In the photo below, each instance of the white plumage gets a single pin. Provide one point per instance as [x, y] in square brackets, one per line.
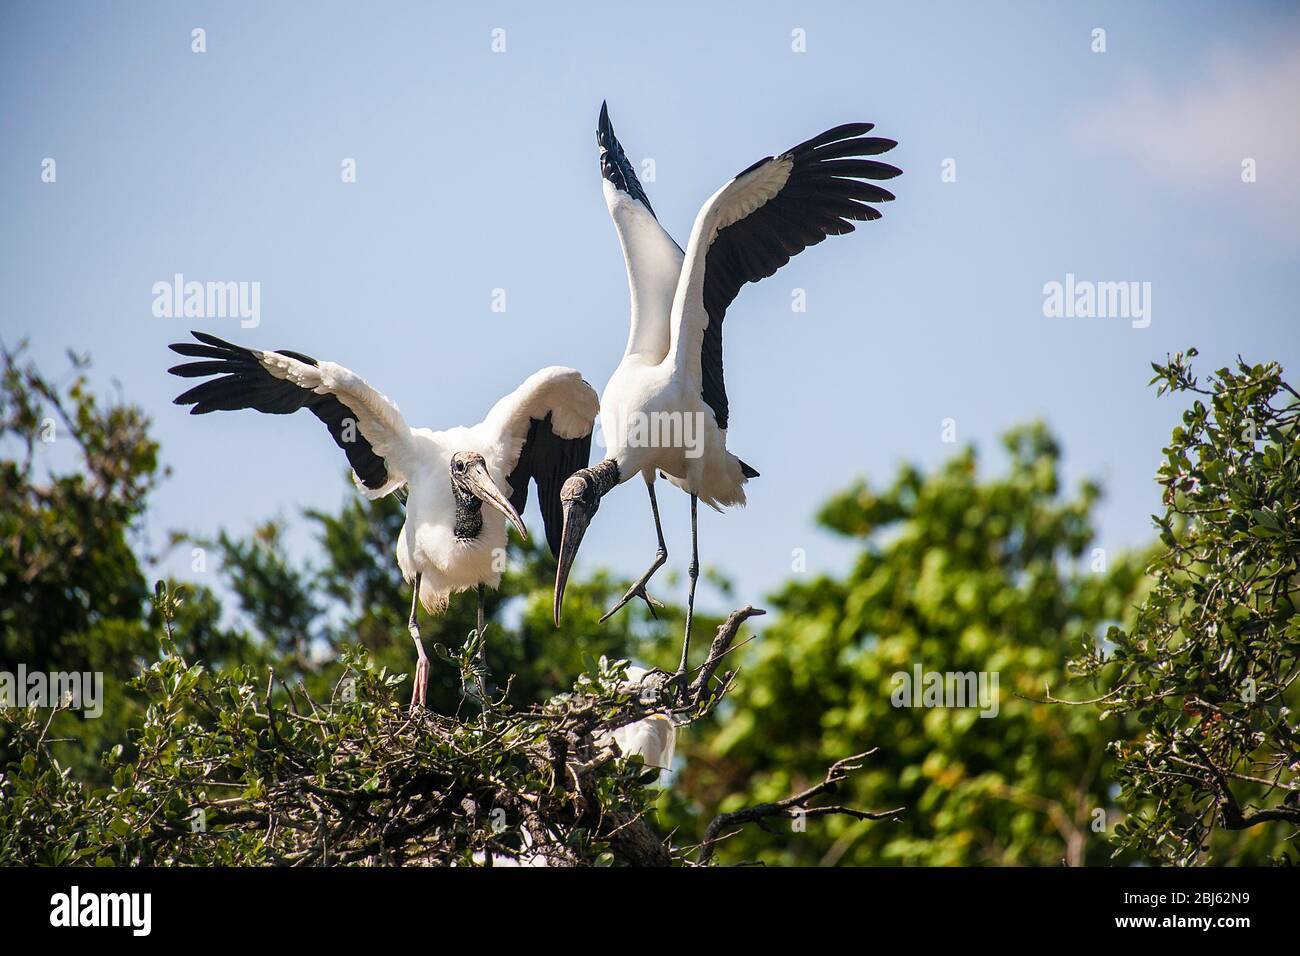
[670, 379]
[652, 738]
[539, 433]
[428, 544]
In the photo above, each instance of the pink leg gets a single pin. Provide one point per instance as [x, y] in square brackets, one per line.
[420, 685]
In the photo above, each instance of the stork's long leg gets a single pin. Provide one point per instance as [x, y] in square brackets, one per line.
[482, 671]
[480, 619]
[694, 572]
[420, 685]
[638, 589]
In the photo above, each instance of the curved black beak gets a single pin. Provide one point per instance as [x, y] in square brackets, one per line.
[485, 489]
[577, 516]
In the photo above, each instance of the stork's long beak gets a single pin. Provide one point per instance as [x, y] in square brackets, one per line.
[482, 485]
[576, 519]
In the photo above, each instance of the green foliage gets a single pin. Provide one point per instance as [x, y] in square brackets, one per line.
[1209, 667]
[280, 725]
[72, 594]
[956, 574]
[233, 770]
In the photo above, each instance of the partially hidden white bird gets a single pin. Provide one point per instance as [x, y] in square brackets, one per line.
[540, 433]
[665, 408]
[653, 738]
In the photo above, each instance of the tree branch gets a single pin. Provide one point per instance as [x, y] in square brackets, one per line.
[793, 806]
[1234, 818]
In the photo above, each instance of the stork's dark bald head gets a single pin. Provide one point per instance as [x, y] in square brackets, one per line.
[580, 489]
[473, 484]
[461, 464]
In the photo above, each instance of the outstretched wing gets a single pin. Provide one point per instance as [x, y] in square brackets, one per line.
[754, 224]
[654, 260]
[365, 424]
[544, 430]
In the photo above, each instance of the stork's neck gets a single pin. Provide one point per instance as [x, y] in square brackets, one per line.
[469, 514]
[605, 476]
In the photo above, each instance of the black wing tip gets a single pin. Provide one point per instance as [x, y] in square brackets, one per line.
[615, 167]
[212, 351]
[748, 470]
[605, 138]
[208, 339]
[845, 131]
[200, 336]
[848, 131]
[847, 134]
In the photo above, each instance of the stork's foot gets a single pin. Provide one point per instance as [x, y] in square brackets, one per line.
[635, 591]
[420, 685]
[681, 682]
[420, 688]
[638, 590]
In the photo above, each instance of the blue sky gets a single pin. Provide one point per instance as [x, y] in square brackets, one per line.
[477, 171]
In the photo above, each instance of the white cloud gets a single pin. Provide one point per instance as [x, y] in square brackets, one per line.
[1196, 138]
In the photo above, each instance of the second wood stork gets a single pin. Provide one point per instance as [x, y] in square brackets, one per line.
[540, 433]
[665, 409]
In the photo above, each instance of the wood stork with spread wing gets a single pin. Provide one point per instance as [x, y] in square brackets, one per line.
[540, 432]
[665, 408]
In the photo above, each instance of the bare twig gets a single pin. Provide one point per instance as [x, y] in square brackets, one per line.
[793, 806]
